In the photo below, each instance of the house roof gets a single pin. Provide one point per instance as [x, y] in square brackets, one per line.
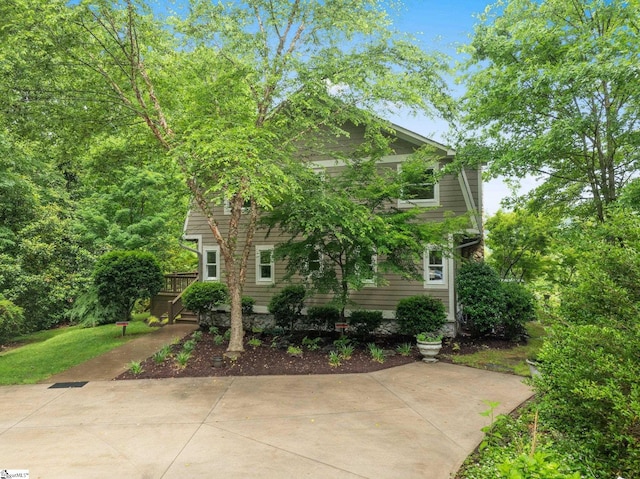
[418, 139]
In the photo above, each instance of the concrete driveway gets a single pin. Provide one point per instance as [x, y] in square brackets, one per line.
[415, 421]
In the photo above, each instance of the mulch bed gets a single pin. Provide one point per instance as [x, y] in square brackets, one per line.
[272, 358]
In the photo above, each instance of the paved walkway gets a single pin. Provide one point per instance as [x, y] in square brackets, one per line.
[116, 361]
[414, 421]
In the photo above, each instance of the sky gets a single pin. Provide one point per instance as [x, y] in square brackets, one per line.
[440, 25]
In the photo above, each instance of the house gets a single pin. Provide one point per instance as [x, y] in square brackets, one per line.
[459, 193]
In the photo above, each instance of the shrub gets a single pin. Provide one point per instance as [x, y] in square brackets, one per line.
[88, 311]
[539, 465]
[589, 391]
[11, 319]
[365, 322]
[596, 297]
[323, 317]
[490, 306]
[123, 277]
[286, 306]
[518, 309]
[247, 304]
[482, 297]
[420, 313]
[203, 297]
[311, 344]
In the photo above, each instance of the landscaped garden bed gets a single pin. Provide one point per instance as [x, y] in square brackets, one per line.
[298, 353]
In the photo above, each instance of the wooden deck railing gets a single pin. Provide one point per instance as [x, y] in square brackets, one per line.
[178, 282]
[169, 300]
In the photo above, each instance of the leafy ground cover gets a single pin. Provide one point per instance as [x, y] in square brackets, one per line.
[34, 357]
[496, 355]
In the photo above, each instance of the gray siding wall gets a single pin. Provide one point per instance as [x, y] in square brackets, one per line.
[382, 298]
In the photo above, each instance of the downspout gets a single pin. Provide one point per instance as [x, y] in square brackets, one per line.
[182, 240]
[184, 246]
[471, 243]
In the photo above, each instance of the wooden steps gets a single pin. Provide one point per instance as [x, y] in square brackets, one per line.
[187, 317]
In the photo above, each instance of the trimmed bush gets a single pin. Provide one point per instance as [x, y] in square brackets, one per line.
[123, 277]
[286, 306]
[481, 295]
[323, 317]
[421, 313]
[247, 304]
[490, 306]
[203, 297]
[11, 320]
[365, 322]
[518, 310]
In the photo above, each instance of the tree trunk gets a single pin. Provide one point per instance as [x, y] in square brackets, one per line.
[236, 345]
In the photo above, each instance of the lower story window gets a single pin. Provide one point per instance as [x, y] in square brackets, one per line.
[370, 261]
[264, 264]
[211, 266]
[314, 262]
[434, 267]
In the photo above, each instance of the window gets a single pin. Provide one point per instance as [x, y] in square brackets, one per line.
[211, 266]
[371, 262]
[434, 267]
[246, 206]
[314, 262]
[264, 264]
[421, 189]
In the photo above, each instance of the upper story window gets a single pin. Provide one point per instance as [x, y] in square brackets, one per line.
[265, 266]
[246, 206]
[211, 263]
[421, 188]
[435, 270]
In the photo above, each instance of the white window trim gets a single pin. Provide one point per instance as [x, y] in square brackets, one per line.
[435, 201]
[259, 278]
[205, 270]
[435, 284]
[227, 208]
[374, 266]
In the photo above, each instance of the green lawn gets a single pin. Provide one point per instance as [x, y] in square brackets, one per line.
[507, 360]
[46, 353]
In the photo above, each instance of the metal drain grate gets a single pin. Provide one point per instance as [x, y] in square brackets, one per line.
[77, 384]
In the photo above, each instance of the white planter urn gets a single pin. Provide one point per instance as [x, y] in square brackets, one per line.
[429, 350]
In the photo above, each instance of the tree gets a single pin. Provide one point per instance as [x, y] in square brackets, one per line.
[137, 209]
[553, 90]
[604, 287]
[123, 277]
[253, 82]
[519, 242]
[42, 262]
[344, 231]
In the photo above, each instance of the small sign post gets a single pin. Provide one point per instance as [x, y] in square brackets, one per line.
[124, 325]
[341, 327]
